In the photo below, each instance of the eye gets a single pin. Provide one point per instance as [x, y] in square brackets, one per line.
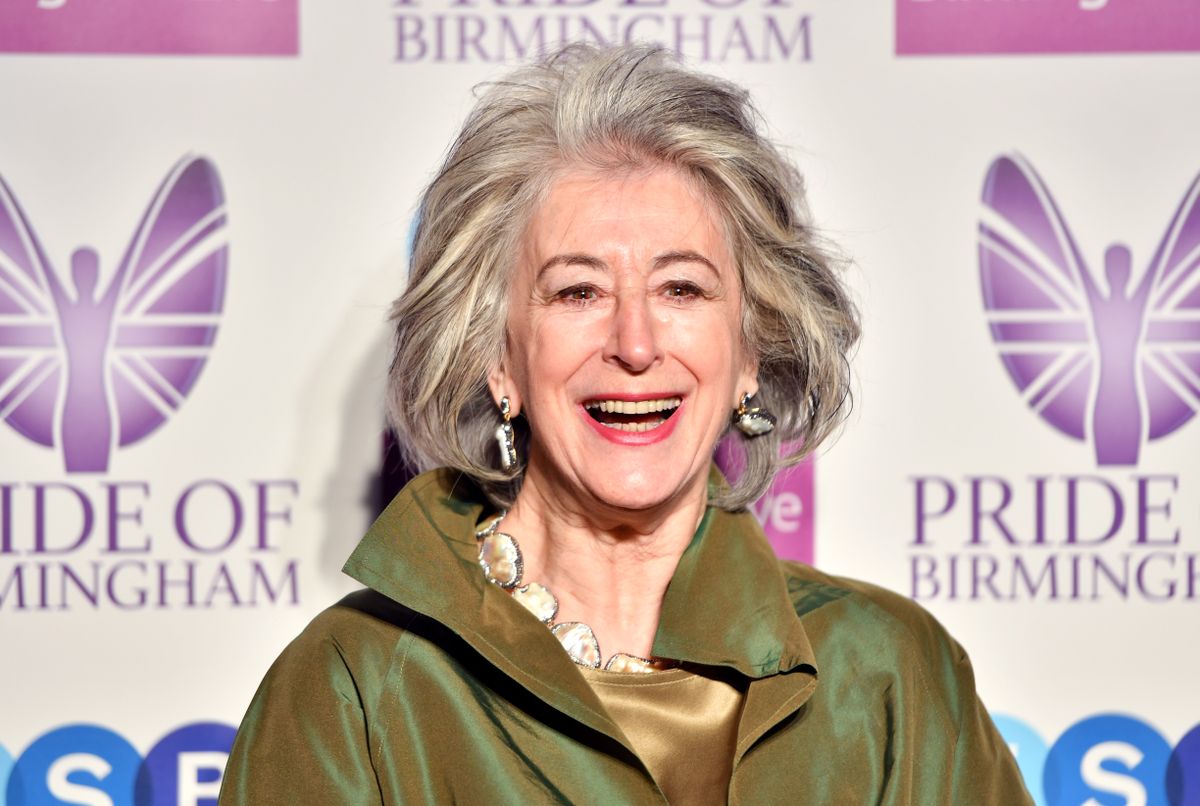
[577, 294]
[683, 290]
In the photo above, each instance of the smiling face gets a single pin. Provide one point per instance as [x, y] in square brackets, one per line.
[624, 338]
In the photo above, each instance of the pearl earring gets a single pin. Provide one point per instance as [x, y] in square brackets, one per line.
[753, 421]
[505, 437]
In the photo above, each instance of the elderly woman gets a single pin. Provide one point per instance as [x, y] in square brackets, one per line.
[612, 268]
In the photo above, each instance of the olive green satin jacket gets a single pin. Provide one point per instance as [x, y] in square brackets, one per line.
[434, 686]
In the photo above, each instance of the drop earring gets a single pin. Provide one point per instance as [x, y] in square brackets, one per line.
[506, 438]
[753, 421]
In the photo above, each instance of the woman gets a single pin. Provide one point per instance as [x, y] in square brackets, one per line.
[612, 266]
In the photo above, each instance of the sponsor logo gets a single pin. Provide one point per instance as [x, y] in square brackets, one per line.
[738, 31]
[1113, 362]
[925, 27]
[88, 368]
[92, 764]
[127, 546]
[195, 27]
[1106, 758]
[1110, 360]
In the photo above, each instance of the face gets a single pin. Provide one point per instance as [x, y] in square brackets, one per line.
[624, 338]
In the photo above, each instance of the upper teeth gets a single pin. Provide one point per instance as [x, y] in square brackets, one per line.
[634, 407]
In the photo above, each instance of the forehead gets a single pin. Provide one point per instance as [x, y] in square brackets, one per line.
[634, 211]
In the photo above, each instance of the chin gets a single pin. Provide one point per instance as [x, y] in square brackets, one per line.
[641, 489]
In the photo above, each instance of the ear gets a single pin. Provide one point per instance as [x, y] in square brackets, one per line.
[500, 384]
[747, 382]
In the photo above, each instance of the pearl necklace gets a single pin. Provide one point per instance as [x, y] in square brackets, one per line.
[503, 565]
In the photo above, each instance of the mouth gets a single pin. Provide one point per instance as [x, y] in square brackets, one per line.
[633, 416]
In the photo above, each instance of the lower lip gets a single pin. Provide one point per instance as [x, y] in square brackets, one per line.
[634, 438]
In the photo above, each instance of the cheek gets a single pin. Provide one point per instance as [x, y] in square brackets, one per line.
[556, 347]
[708, 345]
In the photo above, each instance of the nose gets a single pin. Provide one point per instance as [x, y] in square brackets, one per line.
[633, 339]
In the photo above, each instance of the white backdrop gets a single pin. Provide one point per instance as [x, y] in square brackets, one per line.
[322, 155]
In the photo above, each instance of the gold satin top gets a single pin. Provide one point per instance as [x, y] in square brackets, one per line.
[681, 722]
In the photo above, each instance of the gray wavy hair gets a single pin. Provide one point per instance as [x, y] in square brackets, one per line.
[628, 106]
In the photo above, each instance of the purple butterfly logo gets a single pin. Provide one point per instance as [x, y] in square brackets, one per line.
[1117, 361]
[91, 369]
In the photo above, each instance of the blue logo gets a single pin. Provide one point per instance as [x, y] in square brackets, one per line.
[6, 762]
[1108, 760]
[94, 765]
[1183, 771]
[1105, 760]
[185, 767]
[74, 764]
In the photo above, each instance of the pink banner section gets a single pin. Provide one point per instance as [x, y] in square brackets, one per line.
[785, 509]
[184, 27]
[925, 27]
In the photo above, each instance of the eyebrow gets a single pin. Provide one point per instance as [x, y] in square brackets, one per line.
[572, 259]
[685, 256]
[665, 259]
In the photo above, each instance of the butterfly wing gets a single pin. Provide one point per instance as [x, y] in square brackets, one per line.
[171, 287]
[1035, 294]
[1170, 358]
[31, 370]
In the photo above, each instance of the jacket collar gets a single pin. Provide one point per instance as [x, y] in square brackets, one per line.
[726, 605]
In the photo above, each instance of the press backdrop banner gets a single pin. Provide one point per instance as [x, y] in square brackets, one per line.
[205, 212]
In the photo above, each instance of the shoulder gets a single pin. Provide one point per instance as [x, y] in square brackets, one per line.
[316, 710]
[832, 602]
[886, 662]
[865, 631]
[347, 647]
[361, 621]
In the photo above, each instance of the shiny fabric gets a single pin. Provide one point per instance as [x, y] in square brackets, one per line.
[435, 686]
[682, 724]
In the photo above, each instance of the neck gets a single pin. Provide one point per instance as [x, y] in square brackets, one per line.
[609, 569]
